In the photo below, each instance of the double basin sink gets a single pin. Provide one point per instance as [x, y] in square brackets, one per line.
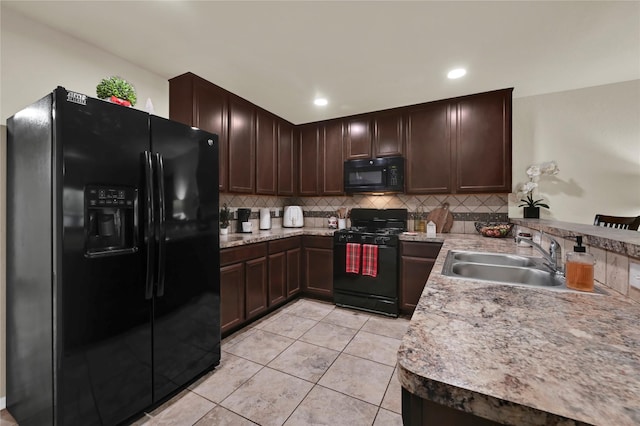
[502, 268]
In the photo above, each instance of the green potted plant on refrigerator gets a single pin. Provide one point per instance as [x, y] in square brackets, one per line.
[117, 90]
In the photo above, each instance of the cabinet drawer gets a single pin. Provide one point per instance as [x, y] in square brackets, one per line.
[284, 244]
[318, 242]
[239, 254]
[427, 250]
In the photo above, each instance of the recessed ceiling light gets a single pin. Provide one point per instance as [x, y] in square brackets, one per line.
[457, 73]
[320, 101]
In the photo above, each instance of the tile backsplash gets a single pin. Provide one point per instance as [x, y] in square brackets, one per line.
[466, 209]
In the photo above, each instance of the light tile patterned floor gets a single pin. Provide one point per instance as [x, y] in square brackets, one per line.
[309, 363]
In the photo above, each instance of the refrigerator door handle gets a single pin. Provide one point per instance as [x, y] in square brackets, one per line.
[149, 223]
[161, 235]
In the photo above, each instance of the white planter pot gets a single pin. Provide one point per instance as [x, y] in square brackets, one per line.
[224, 231]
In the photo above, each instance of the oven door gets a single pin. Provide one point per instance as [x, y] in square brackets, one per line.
[372, 294]
[385, 284]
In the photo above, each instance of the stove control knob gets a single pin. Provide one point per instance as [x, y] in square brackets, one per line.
[381, 240]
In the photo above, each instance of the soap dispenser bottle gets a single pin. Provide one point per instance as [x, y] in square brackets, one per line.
[579, 268]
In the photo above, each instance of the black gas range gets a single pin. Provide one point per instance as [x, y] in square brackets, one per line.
[365, 262]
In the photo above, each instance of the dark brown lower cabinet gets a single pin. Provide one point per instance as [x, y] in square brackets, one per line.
[416, 262]
[421, 412]
[294, 256]
[256, 286]
[277, 277]
[231, 296]
[318, 266]
[243, 284]
[284, 269]
[257, 278]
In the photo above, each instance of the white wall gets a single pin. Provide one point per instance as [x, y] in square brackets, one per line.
[35, 59]
[594, 135]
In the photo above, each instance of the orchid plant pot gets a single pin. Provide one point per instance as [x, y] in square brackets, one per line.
[532, 212]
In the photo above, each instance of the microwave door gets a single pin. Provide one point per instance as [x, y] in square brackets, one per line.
[366, 178]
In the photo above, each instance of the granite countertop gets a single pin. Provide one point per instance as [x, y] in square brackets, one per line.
[616, 240]
[239, 239]
[522, 356]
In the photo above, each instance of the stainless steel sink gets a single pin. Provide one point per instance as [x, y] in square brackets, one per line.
[507, 274]
[503, 268]
[497, 259]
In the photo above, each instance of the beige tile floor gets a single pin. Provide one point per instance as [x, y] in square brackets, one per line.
[309, 363]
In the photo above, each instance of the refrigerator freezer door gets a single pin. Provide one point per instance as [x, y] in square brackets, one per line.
[105, 339]
[186, 305]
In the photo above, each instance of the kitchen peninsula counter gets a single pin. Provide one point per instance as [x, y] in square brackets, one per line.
[522, 356]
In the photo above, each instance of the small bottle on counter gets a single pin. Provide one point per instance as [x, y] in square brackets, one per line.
[579, 268]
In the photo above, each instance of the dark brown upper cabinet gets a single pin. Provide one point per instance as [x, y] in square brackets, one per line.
[458, 145]
[266, 153]
[429, 156]
[196, 102]
[242, 145]
[287, 159]
[332, 164]
[309, 155]
[357, 138]
[388, 134]
[483, 142]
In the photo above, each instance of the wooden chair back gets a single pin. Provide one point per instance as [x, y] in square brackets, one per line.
[619, 222]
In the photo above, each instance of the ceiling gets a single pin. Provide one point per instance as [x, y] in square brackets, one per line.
[361, 55]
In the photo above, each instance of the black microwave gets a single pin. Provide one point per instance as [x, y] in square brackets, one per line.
[376, 175]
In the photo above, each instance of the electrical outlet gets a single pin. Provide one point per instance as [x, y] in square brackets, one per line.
[634, 275]
[537, 237]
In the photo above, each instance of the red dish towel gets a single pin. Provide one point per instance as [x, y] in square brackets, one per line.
[370, 260]
[353, 258]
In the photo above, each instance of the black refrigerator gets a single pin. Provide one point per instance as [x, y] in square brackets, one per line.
[113, 278]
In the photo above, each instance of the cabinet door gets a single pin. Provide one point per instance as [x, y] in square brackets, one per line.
[357, 139]
[318, 266]
[483, 142]
[210, 103]
[332, 168]
[286, 159]
[256, 286]
[293, 271]
[277, 277]
[266, 153]
[416, 261]
[242, 156]
[413, 276]
[231, 296]
[309, 151]
[388, 135]
[197, 102]
[428, 160]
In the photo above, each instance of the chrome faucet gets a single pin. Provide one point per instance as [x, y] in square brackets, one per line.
[553, 257]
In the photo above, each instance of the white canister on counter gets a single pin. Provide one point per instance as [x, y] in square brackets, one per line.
[431, 229]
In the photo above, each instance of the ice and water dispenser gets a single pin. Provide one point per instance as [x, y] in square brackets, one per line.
[110, 220]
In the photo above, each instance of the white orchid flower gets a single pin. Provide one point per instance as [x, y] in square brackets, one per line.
[528, 187]
[533, 171]
[549, 168]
